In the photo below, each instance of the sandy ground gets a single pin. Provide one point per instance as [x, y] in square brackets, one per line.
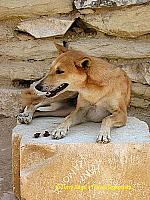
[6, 126]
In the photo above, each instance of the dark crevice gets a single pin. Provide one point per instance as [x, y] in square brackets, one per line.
[23, 83]
[80, 28]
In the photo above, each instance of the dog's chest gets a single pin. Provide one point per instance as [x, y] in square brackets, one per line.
[97, 112]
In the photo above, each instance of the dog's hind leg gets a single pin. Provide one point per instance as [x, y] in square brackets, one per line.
[63, 111]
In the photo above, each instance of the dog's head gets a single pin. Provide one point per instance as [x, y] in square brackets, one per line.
[68, 72]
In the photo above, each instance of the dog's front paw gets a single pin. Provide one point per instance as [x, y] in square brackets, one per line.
[24, 118]
[59, 133]
[103, 137]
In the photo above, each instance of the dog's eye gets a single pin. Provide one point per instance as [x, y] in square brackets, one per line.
[58, 71]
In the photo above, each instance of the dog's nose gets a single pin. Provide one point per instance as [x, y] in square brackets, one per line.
[39, 87]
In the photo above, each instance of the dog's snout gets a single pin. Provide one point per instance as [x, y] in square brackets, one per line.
[39, 87]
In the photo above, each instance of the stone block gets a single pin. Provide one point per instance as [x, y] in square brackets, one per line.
[100, 47]
[75, 167]
[139, 102]
[46, 27]
[21, 8]
[80, 4]
[6, 31]
[141, 90]
[138, 70]
[126, 22]
[29, 60]
[23, 70]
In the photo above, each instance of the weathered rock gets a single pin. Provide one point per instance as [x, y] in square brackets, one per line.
[137, 70]
[45, 27]
[86, 11]
[79, 4]
[29, 60]
[28, 50]
[10, 70]
[100, 47]
[140, 95]
[40, 165]
[113, 48]
[139, 102]
[6, 32]
[33, 8]
[141, 91]
[10, 102]
[19, 70]
[127, 22]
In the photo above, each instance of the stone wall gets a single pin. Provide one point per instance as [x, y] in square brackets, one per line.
[118, 31]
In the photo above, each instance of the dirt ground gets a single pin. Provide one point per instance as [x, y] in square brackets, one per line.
[6, 126]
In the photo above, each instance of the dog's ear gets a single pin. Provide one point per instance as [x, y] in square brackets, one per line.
[85, 63]
[60, 48]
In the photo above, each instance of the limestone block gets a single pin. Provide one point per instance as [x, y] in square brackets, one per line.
[10, 70]
[10, 102]
[80, 4]
[137, 70]
[23, 70]
[139, 102]
[6, 32]
[75, 167]
[45, 27]
[21, 8]
[100, 47]
[140, 90]
[126, 22]
[113, 48]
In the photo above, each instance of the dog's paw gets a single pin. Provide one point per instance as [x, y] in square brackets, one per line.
[24, 118]
[59, 133]
[103, 138]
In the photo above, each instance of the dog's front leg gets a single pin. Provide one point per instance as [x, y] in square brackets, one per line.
[27, 115]
[117, 119]
[76, 117]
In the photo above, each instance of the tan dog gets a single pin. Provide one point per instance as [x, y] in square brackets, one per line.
[103, 91]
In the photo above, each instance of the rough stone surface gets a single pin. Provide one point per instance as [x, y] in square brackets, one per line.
[127, 22]
[113, 48]
[6, 32]
[137, 70]
[10, 70]
[22, 70]
[108, 3]
[29, 60]
[21, 8]
[9, 102]
[139, 102]
[39, 165]
[140, 90]
[28, 50]
[140, 97]
[100, 47]
[45, 27]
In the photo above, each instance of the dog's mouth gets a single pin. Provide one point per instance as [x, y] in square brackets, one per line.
[55, 91]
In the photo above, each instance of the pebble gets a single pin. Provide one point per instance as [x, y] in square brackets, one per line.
[46, 134]
[36, 135]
